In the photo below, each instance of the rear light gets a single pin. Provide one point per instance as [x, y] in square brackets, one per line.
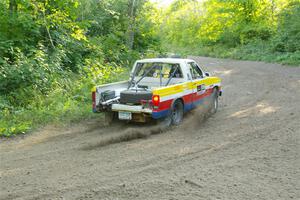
[155, 100]
[94, 100]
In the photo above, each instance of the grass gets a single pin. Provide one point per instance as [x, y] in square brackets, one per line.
[59, 107]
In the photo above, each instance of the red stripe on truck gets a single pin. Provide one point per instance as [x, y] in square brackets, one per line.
[187, 99]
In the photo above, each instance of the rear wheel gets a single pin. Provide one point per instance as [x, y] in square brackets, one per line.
[175, 116]
[177, 113]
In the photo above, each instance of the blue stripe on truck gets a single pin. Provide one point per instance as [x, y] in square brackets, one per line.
[160, 114]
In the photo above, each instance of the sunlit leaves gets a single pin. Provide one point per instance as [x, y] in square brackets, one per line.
[53, 51]
[229, 22]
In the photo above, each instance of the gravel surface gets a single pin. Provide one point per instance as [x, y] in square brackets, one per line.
[248, 150]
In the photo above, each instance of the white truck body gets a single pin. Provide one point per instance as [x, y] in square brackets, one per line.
[153, 87]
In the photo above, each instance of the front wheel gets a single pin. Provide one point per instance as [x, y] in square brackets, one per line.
[214, 102]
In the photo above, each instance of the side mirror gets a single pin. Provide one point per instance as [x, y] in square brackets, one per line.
[207, 74]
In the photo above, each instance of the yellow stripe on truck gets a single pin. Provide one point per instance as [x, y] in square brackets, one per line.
[178, 88]
[166, 91]
[212, 80]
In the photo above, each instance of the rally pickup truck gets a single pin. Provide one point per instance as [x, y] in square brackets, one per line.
[162, 89]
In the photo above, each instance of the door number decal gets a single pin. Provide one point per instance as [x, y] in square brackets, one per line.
[200, 87]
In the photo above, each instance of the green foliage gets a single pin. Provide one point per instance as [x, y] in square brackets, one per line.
[53, 52]
[59, 105]
[244, 29]
[288, 37]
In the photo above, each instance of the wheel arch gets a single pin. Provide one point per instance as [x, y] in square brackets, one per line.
[216, 87]
[177, 99]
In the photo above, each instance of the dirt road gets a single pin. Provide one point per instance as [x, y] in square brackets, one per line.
[248, 150]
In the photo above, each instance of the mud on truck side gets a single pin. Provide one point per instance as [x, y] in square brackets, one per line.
[162, 89]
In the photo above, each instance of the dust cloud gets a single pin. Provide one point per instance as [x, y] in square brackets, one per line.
[128, 133]
[192, 120]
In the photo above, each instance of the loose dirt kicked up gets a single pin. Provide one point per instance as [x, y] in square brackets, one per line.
[248, 150]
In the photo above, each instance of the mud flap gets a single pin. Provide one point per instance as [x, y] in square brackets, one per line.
[108, 118]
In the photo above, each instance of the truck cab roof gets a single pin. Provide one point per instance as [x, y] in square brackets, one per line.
[165, 60]
[173, 71]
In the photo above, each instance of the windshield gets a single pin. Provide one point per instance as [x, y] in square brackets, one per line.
[157, 70]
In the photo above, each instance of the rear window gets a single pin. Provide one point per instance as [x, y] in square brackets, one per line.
[155, 70]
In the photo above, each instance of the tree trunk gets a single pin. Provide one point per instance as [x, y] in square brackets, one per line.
[131, 27]
[48, 30]
[13, 6]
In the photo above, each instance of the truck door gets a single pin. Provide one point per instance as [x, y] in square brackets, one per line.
[198, 83]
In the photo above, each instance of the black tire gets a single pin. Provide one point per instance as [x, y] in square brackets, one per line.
[214, 104]
[175, 116]
[177, 112]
